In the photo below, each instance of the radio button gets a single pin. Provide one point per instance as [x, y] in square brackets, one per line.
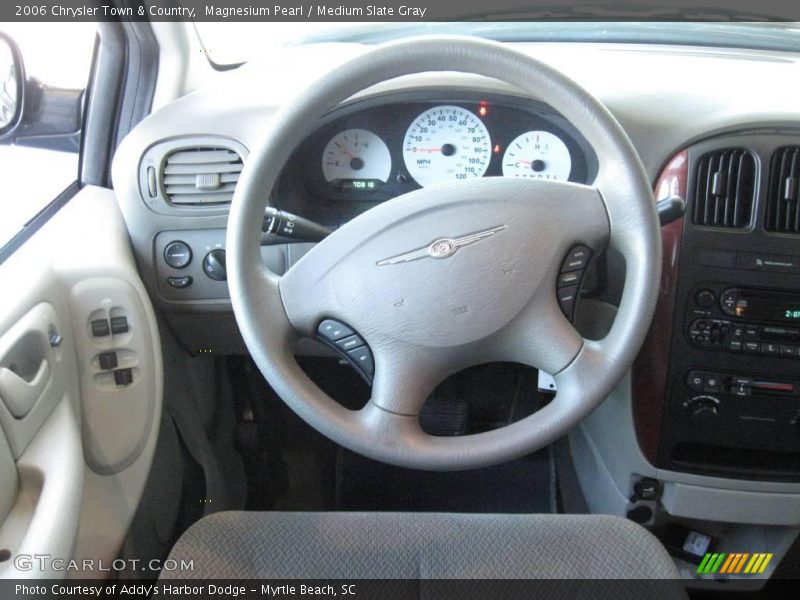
[751, 333]
[705, 299]
[727, 302]
[752, 347]
[735, 346]
[770, 349]
[790, 351]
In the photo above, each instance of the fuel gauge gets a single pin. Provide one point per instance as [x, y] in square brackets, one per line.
[356, 159]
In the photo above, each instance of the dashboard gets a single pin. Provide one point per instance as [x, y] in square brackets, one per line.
[371, 151]
[710, 417]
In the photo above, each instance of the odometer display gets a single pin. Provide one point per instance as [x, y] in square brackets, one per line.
[357, 185]
[446, 143]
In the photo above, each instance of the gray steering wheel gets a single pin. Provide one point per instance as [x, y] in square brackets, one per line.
[462, 304]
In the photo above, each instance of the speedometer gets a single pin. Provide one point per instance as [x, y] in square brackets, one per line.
[537, 155]
[446, 143]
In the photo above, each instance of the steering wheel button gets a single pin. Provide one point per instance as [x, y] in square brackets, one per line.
[363, 358]
[333, 330]
[566, 300]
[349, 343]
[576, 259]
[569, 279]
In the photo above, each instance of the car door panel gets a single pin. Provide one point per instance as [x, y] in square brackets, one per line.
[76, 438]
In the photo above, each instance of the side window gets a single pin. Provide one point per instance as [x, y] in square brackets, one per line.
[40, 160]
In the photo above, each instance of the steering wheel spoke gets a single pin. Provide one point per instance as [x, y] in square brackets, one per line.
[406, 375]
[541, 336]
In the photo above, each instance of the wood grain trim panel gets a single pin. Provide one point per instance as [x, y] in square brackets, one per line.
[649, 378]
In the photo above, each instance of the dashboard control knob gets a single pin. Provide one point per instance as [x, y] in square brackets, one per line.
[705, 299]
[214, 265]
[728, 301]
[177, 254]
[703, 410]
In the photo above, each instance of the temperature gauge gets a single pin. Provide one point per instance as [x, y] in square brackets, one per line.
[537, 155]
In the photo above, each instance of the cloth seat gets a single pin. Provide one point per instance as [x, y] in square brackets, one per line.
[335, 545]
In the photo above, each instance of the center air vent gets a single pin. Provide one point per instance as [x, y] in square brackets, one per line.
[206, 175]
[724, 189]
[783, 215]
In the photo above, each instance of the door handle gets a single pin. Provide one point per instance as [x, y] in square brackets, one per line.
[20, 395]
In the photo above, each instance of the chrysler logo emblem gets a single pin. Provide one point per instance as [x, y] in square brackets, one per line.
[442, 248]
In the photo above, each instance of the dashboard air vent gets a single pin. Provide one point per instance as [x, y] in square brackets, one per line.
[783, 212]
[724, 189]
[201, 176]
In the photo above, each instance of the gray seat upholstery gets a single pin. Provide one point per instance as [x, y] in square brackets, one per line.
[274, 545]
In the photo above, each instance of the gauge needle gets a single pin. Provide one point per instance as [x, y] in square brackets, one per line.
[345, 150]
[439, 149]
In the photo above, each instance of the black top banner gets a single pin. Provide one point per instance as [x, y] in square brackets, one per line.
[392, 11]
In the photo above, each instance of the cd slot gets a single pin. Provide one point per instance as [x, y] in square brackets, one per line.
[769, 332]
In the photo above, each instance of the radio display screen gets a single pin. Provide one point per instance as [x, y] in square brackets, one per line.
[771, 306]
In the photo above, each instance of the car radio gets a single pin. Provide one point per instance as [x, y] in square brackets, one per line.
[741, 320]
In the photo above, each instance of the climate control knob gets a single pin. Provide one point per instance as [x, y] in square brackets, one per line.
[214, 265]
[703, 410]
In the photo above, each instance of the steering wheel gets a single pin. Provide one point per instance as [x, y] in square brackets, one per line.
[456, 304]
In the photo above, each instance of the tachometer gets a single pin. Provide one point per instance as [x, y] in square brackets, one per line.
[446, 143]
[538, 155]
[356, 159]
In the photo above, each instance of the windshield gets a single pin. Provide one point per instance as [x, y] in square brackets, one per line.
[231, 43]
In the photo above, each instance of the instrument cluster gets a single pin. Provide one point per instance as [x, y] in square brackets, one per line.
[374, 150]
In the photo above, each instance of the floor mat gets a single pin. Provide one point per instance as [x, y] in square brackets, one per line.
[521, 486]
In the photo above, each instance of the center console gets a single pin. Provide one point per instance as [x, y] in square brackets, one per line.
[735, 402]
[731, 387]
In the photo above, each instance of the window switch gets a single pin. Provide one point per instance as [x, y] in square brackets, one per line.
[108, 360]
[123, 377]
[100, 328]
[119, 325]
